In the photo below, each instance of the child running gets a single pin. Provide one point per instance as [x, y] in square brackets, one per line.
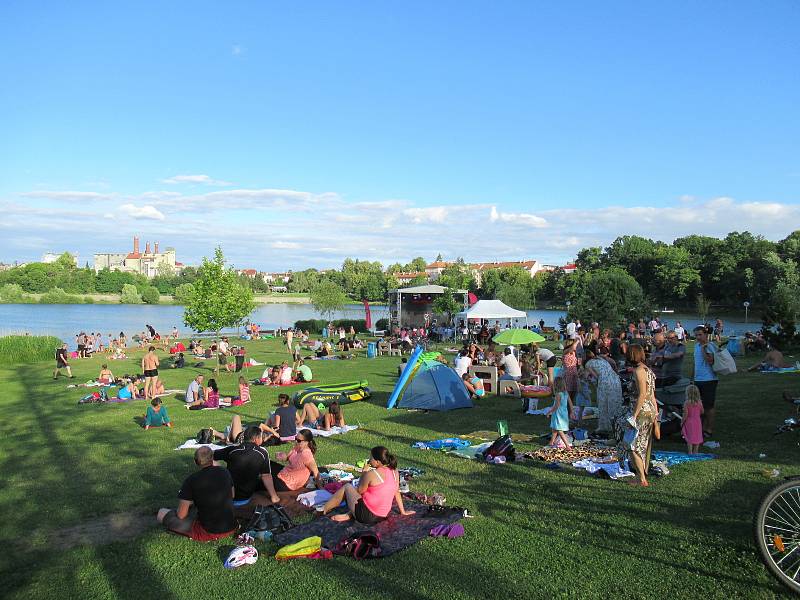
[691, 422]
[559, 413]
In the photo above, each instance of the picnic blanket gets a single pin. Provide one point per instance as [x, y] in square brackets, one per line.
[470, 452]
[330, 432]
[490, 436]
[396, 532]
[227, 402]
[192, 444]
[672, 458]
[443, 444]
[612, 469]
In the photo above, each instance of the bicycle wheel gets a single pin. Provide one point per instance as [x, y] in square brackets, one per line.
[777, 533]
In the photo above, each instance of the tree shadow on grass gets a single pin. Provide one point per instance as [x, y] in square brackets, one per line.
[77, 477]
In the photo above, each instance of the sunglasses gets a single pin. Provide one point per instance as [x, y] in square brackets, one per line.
[298, 440]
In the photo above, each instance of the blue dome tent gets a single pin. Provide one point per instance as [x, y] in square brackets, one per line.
[431, 385]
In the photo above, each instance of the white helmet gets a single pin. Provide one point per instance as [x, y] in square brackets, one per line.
[240, 556]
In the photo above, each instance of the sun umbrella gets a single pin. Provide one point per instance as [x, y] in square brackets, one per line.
[516, 337]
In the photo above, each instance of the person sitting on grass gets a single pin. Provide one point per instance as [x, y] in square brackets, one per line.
[128, 390]
[156, 415]
[244, 393]
[474, 385]
[300, 464]
[285, 374]
[772, 360]
[205, 502]
[211, 397]
[303, 372]
[334, 417]
[179, 361]
[249, 466]
[106, 376]
[62, 362]
[378, 488]
[195, 390]
[284, 419]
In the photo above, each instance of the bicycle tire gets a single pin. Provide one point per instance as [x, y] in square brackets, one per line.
[778, 514]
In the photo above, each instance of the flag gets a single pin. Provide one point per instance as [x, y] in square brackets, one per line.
[367, 314]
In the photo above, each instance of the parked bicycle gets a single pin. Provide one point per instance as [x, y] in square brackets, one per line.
[776, 526]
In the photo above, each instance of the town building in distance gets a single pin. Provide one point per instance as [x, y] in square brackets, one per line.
[145, 263]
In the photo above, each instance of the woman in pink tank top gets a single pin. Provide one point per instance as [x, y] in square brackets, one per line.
[377, 489]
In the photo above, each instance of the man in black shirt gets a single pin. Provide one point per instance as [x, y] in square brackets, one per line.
[62, 362]
[248, 464]
[205, 505]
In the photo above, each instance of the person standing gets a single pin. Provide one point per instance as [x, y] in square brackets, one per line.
[150, 364]
[289, 340]
[680, 332]
[62, 362]
[704, 377]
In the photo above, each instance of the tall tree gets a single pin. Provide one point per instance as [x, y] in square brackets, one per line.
[327, 297]
[609, 297]
[446, 305]
[218, 300]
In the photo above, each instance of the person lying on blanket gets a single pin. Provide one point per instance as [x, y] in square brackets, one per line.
[128, 390]
[211, 397]
[300, 464]
[378, 488]
[156, 415]
[772, 360]
[317, 419]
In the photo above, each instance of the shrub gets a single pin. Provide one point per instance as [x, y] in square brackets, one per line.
[315, 326]
[151, 295]
[88, 300]
[381, 324]
[22, 349]
[130, 295]
[12, 293]
[59, 296]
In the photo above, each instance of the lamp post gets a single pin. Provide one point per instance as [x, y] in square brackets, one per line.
[746, 306]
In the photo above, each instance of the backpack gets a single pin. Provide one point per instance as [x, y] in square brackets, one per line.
[360, 546]
[205, 436]
[502, 446]
[269, 518]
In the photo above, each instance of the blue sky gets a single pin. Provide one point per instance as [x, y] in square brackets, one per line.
[297, 135]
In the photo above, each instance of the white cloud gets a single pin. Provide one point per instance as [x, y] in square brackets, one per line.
[518, 218]
[282, 245]
[197, 179]
[142, 212]
[431, 214]
[67, 195]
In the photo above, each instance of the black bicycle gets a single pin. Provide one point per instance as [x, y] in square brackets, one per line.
[776, 526]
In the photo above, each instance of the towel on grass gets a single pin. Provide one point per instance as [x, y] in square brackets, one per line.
[613, 469]
[396, 532]
[192, 444]
[330, 432]
[470, 452]
[228, 402]
[444, 444]
[676, 458]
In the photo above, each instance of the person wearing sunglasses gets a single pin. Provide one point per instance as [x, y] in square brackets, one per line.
[300, 464]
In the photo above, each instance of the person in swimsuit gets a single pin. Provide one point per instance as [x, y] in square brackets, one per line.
[311, 415]
[378, 488]
[62, 362]
[106, 376]
[150, 364]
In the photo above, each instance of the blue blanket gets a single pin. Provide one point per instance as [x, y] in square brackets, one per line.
[677, 458]
[447, 443]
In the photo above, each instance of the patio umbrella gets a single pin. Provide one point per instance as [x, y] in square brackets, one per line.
[517, 337]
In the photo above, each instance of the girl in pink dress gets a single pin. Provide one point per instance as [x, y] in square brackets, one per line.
[570, 365]
[692, 424]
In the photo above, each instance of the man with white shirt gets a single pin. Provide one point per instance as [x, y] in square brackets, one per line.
[510, 364]
[572, 329]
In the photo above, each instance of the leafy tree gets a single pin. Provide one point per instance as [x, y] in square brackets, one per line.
[363, 280]
[327, 297]
[151, 295]
[781, 316]
[418, 280]
[183, 293]
[130, 295]
[609, 297]
[446, 304]
[457, 276]
[590, 258]
[703, 307]
[303, 281]
[394, 268]
[418, 264]
[12, 293]
[218, 299]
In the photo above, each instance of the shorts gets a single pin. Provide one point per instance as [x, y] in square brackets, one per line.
[223, 360]
[61, 365]
[151, 373]
[551, 362]
[364, 515]
[708, 392]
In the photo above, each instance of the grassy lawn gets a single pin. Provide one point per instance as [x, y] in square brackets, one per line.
[536, 534]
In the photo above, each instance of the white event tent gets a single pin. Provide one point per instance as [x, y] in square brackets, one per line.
[493, 310]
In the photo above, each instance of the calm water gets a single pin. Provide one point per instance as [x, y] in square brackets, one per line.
[66, 320]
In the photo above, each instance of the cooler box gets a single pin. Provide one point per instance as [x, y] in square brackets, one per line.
[675, 394]
[372, 350]
[734, 346]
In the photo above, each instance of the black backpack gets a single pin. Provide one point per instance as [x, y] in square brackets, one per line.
[502, 446]
[271, 518]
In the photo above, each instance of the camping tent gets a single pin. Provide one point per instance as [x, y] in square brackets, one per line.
[434, 386]
[492, 309]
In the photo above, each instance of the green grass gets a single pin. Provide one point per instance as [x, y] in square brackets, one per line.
[22, 349]
[537, 533]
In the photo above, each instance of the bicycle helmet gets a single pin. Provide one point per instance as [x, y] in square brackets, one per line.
[240, 556]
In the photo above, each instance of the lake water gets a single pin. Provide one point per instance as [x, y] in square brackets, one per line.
[65, 320]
